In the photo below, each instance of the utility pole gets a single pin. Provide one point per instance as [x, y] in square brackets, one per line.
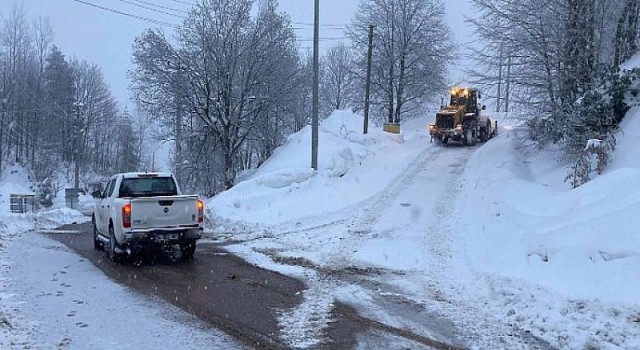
[506, 102]
[2, 106]
[391, 64]
[77, 112]
[499, 80]
[368, 87]
[316, 71]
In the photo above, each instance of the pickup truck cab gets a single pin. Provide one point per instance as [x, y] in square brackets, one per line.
[140, 211]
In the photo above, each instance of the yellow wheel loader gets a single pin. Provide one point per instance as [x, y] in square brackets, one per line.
[462, 121]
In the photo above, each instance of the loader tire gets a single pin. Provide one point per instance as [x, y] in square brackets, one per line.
[469, 137]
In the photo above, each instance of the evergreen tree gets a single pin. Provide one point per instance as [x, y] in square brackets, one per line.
[127, 157]
[59, 97]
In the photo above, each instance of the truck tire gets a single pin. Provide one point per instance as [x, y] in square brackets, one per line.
[97, 244]
[483, 134]
[113, 244]
[488, 134]
[187, 249]
[469, 137]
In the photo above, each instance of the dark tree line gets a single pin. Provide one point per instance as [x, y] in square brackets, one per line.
[56, 112]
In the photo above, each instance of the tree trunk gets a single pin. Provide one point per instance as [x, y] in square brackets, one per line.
[400, 92]
[178, 142]
[1, 135]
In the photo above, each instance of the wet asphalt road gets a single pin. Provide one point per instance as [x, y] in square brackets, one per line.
[219, 288]
[228, 293]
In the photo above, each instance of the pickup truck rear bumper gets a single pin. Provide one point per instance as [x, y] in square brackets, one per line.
[148, 237]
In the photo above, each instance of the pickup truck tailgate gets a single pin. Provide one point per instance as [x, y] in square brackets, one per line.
[164, 212]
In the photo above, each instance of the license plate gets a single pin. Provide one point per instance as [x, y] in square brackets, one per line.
[167, 236]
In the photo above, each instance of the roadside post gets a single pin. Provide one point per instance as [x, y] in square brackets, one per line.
[71, 197]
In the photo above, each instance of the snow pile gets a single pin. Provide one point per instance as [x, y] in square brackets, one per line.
[524, 224]
[581, 243]
[631, 63]
[286, 188]
[14, 180]
[626, 141]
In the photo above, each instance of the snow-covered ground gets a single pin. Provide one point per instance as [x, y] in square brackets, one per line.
[490, 239]
[482, 247]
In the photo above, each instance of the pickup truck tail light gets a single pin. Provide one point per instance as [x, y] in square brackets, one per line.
[126, 215]
[200, 211]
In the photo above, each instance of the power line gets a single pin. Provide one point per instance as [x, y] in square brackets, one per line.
[184, 2]
[321, 25]
[331, 28]
[325, 39]
[161, 6]
[154, 21]
[152, 9]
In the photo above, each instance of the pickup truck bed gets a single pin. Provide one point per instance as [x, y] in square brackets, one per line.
[140, 211]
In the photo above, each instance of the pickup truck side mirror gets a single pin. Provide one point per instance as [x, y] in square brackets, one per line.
[484, 107]
[96, 194]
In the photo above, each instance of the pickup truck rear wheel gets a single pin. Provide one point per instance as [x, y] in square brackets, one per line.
[187, 249]
[113, 255]
[97, 244]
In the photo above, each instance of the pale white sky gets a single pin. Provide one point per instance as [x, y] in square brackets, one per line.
[105, 38]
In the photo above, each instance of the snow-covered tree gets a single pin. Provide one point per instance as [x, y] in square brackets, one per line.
[337, 85]
[560, 64]
[39, 87]
[234, 67]
[412, 47]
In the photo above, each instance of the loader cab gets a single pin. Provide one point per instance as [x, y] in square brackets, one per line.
[465, 97]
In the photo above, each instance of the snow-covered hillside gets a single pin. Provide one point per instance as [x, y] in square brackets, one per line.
[351, 168]
[582, 243]
[489, 237]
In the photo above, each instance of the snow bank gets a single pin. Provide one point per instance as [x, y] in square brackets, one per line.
[631, 63]
[351, 168]
[340, 141]
[14, 180]
[581, 243]
[627, 139]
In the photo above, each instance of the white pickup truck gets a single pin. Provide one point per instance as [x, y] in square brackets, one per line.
[139, 211]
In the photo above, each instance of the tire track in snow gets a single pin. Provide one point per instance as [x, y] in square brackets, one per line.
[365, 209]
[443, 285]
[365, 219]
[303, 326]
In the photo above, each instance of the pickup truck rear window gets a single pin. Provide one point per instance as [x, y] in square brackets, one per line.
[148, 187]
